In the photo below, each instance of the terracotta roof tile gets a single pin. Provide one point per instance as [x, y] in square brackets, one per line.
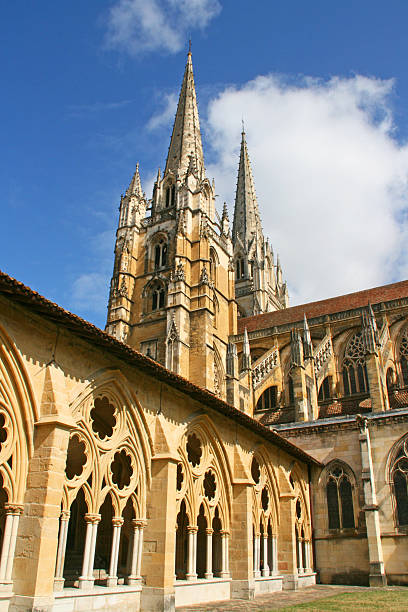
[323, 307]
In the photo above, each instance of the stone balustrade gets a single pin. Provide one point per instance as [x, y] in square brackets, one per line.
[263, 366]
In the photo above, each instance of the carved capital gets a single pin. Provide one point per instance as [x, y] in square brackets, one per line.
[92, 518]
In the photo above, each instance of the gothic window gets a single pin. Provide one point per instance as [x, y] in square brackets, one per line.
[158, 295]
[268, 399]
[399, 481]
[339, 494]
[240, 268]
[213, 263]
[355, 379]
[325, 389]
[170, 195]
[404, 357]
[160, 254]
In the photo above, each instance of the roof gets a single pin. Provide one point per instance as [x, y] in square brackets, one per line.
[324, 307]
[19, 293]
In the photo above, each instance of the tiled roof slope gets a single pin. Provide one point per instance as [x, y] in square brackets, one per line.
[323, 307]
[20, 294]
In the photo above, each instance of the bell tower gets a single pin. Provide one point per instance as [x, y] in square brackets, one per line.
[175, 301]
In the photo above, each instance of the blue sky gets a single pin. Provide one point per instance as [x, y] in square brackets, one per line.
[89, 89]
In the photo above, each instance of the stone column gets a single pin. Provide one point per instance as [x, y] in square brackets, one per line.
[274, 568]
[208, 566]
[136, 552]
[264, 543]
[13, 512]
[191, 553]
[257, 560]
[307, 561]
[377, 575]
[86, 580]
[300, 555]
[112, 579]
[62, 544]
[224, 554]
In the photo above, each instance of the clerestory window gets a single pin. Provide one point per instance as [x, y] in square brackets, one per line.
[355, 379]
[339, 493]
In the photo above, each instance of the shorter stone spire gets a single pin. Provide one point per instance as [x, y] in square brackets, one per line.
[369, 330]
[135, 187]
[307, 339]
[295, 348]
[246, 352]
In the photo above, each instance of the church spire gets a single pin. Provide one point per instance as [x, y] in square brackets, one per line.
[186, 136]
[247, 223]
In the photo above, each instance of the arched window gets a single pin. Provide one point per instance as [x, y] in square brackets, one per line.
[158, 297]
[291, 390]
[160, 254]
[213, 263]
[399, 481]
[325, 389]
[239, 268]
[268, 399]
[339, 494]
[170, 196]
[355, 379]
[404, 357]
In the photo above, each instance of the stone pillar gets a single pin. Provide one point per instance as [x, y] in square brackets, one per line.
[241, 544]
[208, 566]
[112, 579]
[300, 556]
[274, 568]
[307, 561]
[257, 560]
[264, 544]
[136, 552]
[13, 512]
[159, 547]
[86, 580]
[62, 544]
[377, 575]
[191, 553]
[224, 555]
[287, 563]
[36, 548]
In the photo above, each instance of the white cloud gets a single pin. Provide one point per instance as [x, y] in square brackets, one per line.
[166, 115]
[136, 26]
[90, 293]
[330, 175]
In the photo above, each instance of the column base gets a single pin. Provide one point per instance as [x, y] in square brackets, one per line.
[23, 603]
[208, 575]
[156, 599]
[376, 580]
[224, 575]
[290, 582]
[86, 584]
[257, 574]
[112, 581]
[59, 584]
[242, 589]
[265, 573]
[191, 577]
[133, 580]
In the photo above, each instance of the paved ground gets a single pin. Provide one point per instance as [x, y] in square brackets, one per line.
[272, 601]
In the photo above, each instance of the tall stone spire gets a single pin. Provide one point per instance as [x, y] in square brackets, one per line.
[186, 136]
[247, 223]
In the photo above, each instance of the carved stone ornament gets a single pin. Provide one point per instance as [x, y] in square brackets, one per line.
[179, 274]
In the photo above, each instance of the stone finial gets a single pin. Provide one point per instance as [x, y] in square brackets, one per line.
[246, 352]
[307, 340]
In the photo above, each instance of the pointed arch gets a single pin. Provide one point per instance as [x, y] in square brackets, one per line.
[18, 414]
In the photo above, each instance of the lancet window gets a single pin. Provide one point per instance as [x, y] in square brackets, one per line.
[265, 519]
[170, 197]
[102, 514]
[160, 254]
[399, 482]
[339, 496]
[302, 527]
[325, 389]
[403, 352]
[203, 500]
[355, 379]
[239, 268]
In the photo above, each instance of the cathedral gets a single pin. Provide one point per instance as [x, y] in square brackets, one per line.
[213, 442]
